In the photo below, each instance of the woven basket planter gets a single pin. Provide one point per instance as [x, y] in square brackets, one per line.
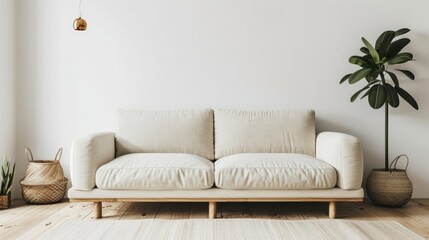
[44, 180]
[5, 201]
[44, 193]
[390, 188]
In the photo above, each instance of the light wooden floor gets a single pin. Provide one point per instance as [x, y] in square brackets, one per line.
[30, 221]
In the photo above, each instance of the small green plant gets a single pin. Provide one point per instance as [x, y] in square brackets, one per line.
[7, 176]
[382, 84]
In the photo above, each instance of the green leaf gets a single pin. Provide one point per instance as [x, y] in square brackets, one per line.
[410, 55]
[384, 60]
[407, 97]
[6, 184]
[360, 61]
[8, 175]
[364, 50]
[394, 78]
[11, 175]
[369, 78]
[366, 94]
[359, 74]
[383, 42]
[353, 98]
[369, 60]
[345, 78]
[377, 96]
[383, 37]
[375, 74]
[396, 46]
[392, 96]
[407, 73]
[400, 58]
[373, 82]
[401, 31]
[372, 51]
[5, 169]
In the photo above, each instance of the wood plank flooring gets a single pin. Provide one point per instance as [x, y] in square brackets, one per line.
[31, 221]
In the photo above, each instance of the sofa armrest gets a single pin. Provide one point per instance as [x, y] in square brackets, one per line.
[88, 153]
[344, 153]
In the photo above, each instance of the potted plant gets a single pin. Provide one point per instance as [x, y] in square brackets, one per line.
[6, 184]
[387, 186]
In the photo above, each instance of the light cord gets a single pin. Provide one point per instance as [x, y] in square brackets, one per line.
[80, 8]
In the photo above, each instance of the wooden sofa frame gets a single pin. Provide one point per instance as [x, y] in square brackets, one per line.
[212, 208]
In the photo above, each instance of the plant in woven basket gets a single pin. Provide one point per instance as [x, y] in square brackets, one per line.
[7, 174]
[382, 88]
[6, 184]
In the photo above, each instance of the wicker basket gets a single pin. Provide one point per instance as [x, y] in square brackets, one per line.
[390, 188]
[44, 180]
[5, 201]
[44, 193]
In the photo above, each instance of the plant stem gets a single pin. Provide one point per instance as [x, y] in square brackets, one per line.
[386, 138]
[386, 126]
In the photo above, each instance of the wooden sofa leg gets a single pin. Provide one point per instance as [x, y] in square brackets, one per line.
[332, 210]
[212, 210]
[97, 209]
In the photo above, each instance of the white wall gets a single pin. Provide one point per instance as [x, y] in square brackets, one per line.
[243, 54]
[7, 105]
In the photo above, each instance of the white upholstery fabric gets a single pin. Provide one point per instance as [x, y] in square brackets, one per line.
[273, 171]
[156, 171]
[87, 154]
[264, 132]
[179, 131]
[218, 194]
[344, 153]
[190, 176]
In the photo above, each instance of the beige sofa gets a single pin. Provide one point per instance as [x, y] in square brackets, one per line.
[216, 156]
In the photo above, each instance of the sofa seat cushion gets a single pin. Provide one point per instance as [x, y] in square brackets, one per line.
[273, 171]
[156, 171]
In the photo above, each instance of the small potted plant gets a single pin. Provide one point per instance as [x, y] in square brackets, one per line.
[6, 184]
[386, 186]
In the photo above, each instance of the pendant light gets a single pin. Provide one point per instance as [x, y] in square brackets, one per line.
[79, 23]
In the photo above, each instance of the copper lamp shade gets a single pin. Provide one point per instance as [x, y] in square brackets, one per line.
[79, 24]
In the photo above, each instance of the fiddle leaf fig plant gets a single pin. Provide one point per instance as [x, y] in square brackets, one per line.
[382, 86]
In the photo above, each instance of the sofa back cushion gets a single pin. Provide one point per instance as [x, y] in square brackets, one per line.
[176, 131]
[272, 131]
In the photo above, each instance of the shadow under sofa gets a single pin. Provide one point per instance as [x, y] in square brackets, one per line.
[215, 156]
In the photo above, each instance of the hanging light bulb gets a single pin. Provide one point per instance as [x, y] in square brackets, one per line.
[79, 23]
